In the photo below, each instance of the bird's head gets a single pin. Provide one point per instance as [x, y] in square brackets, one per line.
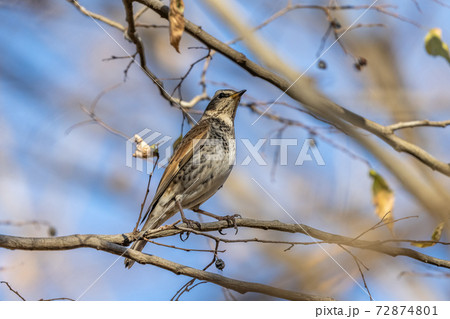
[224, 103]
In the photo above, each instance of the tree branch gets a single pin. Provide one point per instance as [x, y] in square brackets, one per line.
[14, 291]
[112, 244]
[411, 124]
[132, 35]
[78, 241]
[96, 16]
[325, 237]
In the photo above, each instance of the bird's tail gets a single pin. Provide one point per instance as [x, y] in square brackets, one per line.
[155, 219]
[137, 245]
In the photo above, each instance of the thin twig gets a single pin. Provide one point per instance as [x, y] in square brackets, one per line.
[94, 118]
[190, 284]
[140, 13]
[311, 130]
[146, 194]
[51, 230]
[156, 26]
[382, 223]
[96, 16]
[359, 263]
[56, 299]
[25, 223]
[14, 291]
[193, 64]
[402, 125]
[182, 248]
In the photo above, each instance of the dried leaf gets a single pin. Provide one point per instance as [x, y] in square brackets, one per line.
[143, 150]
[436, 236]
[435, 46]
[176, 22]
[423, 244]
[177, 143]
[383, 199]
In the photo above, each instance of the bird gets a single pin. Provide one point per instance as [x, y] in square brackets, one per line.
[199, 167]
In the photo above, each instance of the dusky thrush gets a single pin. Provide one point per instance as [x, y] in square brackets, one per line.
[199, 166]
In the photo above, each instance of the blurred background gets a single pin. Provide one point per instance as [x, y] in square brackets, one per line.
[75, 178]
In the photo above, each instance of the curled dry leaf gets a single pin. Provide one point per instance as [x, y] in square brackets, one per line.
[176, 22]
[436, 236]
[177, 143]
[383, 199]
[143, 150]
[435, 46]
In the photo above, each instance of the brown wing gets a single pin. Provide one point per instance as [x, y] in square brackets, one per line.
[184, 152]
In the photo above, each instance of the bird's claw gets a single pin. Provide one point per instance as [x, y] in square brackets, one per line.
[192, 223]
[231, 221]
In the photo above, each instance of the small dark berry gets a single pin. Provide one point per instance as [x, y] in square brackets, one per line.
[52, 231]
[362, 61]
[220, 264]
[335, 24]
[322, 64]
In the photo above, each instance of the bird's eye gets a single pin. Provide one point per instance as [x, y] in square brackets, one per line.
[222, 95]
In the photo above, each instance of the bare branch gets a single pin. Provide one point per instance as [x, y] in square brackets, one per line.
[146, 194]
[326, 9]
[97, 16]
[358, 264]
[182, 248]
[325, 237]
[101, 242]
[26, 223]
[78, 241]
[94, 118]
[411, 124]
[314, 132]
[57, 299]
[140, 13]
[14, 291]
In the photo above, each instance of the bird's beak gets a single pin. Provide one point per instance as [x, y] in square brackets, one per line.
[238, 94]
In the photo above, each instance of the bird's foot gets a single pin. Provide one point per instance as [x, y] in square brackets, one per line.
[191, 223]
[231, 220]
